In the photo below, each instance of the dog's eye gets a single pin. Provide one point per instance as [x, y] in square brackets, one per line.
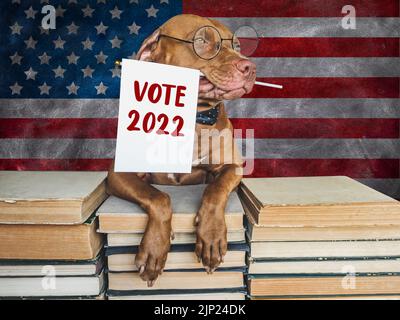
[200, 41]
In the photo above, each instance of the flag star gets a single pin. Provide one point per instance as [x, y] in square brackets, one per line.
[134, 28]
[59, 43]
[134, 1]
[16, 1]
[30, 74]
[101, 28]
[115, 13]
[44, 58]
[101, 1]
[115, 43]
[164, 1]
[72, 58]
[30, 13]
[16, 58]
[132, 56]
[101, 57]
[73, 28]
[116, 72]
[16, 28]
[152, 12]
[87, 72]
[72, 88]
[43, 30]
[87, 44]
[72, 2]
[101, 88]
[44, 89]
[59, 72]
[30, 43]
[60, 11]
[88, 11]
[44, 1]
[16, 88]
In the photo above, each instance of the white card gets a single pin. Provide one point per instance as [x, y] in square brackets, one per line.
[157, 118]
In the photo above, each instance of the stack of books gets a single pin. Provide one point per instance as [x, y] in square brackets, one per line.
[49, 247]
[321, 238]
[183, 277]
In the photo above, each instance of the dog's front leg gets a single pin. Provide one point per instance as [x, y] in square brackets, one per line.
[211, 243]
[155, 244]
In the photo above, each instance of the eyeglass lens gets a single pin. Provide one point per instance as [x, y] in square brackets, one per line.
[207, 42]
[248, 39]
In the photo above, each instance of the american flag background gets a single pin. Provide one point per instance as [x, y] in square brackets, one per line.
[338, 113]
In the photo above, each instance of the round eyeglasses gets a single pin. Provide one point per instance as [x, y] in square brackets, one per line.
[207, 42]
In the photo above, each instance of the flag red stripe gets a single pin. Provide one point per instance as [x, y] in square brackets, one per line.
[327, 47]
[55, 164]
[329, 88]
[290, 8]
[320, 128]
[264, 128]
[59, 128]
[355, 168]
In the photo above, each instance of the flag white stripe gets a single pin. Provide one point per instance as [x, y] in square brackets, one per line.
[327, 148]
[59, 108]
[391, 187]
[313, 108]
[262, 148]
[240, 108]
[317, 27]
[327, 67]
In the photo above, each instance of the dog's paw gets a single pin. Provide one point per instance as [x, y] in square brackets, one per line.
[153, 250]
[211, 242]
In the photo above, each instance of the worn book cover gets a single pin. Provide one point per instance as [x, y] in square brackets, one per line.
[50, 197]
[120, 216]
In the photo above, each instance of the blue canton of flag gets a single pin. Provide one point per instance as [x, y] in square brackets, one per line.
[77, 58]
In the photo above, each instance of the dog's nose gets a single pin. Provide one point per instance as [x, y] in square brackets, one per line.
[245, 66]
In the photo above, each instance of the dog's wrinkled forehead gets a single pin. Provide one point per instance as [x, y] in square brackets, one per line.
[185, 25]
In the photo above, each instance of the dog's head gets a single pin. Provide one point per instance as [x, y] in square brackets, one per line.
[207, 45]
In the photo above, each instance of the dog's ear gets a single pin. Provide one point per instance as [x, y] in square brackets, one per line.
[148, 45]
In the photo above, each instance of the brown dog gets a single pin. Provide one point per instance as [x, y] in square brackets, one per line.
[182, 41]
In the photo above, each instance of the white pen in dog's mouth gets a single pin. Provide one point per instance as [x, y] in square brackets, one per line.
[204, 80]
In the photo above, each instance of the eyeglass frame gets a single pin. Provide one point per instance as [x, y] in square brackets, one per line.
[192, 41]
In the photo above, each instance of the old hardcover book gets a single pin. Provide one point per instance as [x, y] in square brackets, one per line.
[185, 296]
[39, 268]
[180, 257]
[120, 216]
[51, 242]
[134, 239]
[50, 197]
[324, 249]
[100, 296]
[323, 267]
[256, 232]
[317, 202]
[172, 281]
[260, 285]
[60, 287]
[349, 297]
